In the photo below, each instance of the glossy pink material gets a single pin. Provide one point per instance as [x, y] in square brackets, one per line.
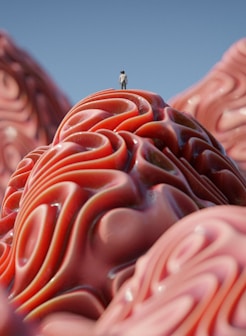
[122, 169]
[10, 323]
[31, 107]
[191, 282]
[218, 102]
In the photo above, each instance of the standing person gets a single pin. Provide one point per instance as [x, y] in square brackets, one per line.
[123, 80]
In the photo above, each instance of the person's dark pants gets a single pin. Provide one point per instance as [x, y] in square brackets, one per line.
[123, 85]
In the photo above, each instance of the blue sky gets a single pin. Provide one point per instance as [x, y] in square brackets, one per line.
[164, 46]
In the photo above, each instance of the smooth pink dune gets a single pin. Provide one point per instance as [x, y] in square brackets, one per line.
[218, 102]
[31, 107]
[191, 282]
[123, 167]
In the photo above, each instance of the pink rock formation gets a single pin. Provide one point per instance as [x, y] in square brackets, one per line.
[31, 107]
[191, 282]
[218, 102]
[122, 169]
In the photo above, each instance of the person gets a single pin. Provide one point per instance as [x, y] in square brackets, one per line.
[123, 80]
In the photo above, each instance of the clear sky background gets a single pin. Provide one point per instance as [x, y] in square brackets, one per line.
[164, 46]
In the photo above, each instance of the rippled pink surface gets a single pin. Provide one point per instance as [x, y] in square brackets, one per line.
[191, 282]
[31, 107]
[123, 167]
[218, 102]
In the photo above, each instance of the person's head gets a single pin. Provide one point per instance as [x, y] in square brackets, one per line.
[122, 72]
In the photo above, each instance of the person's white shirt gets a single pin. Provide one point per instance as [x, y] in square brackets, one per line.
[123, 77]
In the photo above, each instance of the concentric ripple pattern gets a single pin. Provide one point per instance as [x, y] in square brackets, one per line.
[31, 107]
[123, 168]
[191, 282]
[218, 102]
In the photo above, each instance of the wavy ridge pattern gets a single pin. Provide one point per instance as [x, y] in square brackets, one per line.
[191, 282]
[123, 167]
[218, 102]
[31, 107]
